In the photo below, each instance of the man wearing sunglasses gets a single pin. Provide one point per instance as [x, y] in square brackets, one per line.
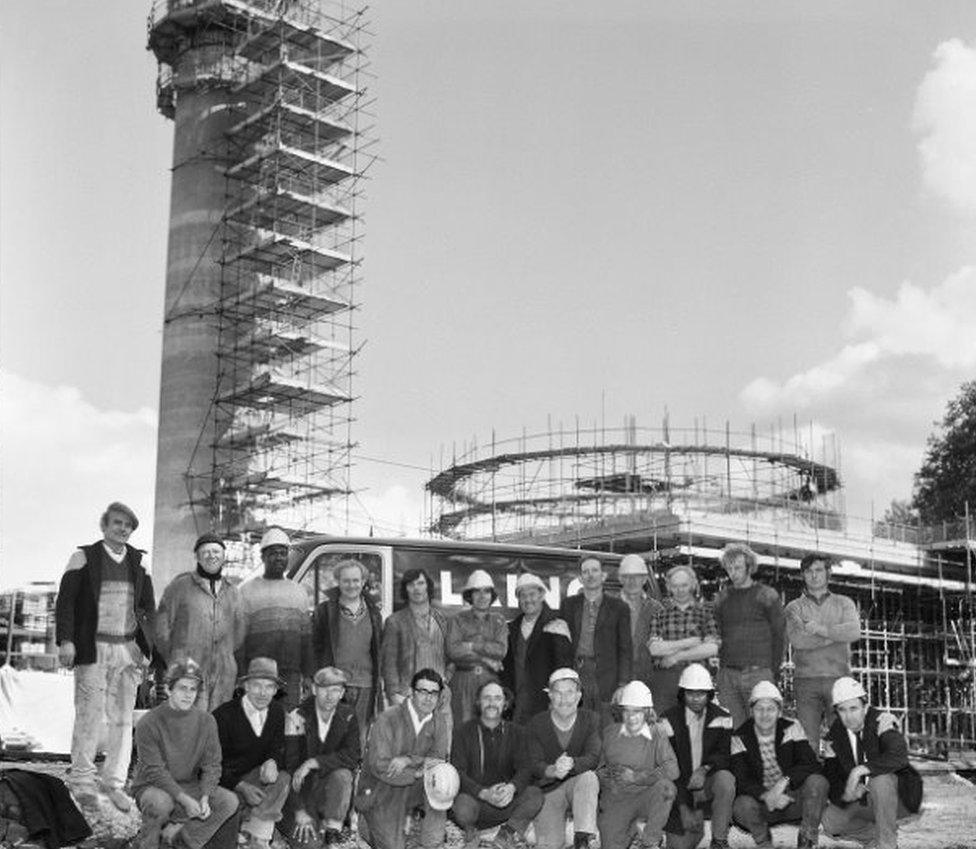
[405, 741]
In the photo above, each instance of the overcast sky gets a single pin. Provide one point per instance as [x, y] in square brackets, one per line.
[741, 211]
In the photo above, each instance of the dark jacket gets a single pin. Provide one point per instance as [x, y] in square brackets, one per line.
[584, 746]
[47, 810]
[548, 649]
[339, 750]
[716, 742]
[325, 635]
[883, 754]
[241, 749]
[76, 608]
[510, 762]
[793, 754]
[612, 645]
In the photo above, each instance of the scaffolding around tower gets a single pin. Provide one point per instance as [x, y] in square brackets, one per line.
[295, 151]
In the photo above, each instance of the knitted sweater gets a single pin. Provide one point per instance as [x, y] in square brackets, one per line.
[177, 751]
[242, 750]
[816, 656]
[278, 624]
[751, 624]
[651, 759]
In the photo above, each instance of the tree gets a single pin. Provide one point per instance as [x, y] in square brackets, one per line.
[947, 477]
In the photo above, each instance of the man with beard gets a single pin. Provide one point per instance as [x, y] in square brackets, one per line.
[538, 644]
[176, 781]
[496, 775]
[322, 753]
[276, 613]
[252, 743]
[700, 732]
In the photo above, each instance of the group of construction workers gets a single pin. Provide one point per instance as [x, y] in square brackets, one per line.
[604, 710]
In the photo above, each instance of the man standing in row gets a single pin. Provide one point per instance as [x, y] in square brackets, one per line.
[104, 630]
[752, 627]
[682, 632]
[821, 626]
[276, 613]
[600, 628]
[639, 590]
[347, 630]
[538, 645]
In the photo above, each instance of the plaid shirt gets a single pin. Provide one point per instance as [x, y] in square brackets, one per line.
[673, 623]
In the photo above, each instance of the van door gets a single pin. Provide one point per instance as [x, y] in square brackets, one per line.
[317, 571]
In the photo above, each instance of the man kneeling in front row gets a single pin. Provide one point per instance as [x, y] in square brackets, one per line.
[872, 784]
[491, 757]
[178, 768]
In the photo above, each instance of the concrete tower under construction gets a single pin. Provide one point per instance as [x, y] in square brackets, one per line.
[270, 150]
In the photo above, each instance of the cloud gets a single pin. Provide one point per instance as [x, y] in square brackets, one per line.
[945, 120]
[905, 356]
[62, 459]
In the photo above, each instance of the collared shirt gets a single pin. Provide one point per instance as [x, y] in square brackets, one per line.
[415, 719]
[591, 609]
[645, 732]
[117, 557]
[324, 725]
[254, 716]
[696, 730]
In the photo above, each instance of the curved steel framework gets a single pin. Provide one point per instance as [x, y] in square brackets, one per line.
[563, 478]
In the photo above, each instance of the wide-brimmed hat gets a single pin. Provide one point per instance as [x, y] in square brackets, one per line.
[262, 667]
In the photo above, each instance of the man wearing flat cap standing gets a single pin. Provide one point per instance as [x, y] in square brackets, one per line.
[201, 617]
[276, 613]
[323, 753]
[252, 744]
[538, 644]
[104, 628]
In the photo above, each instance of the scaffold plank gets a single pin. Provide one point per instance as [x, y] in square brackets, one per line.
[263, 435]
[289, 75]
[307, 127]
[284, 32]
[302, 168]
[283, 297]
[276, 250]
[292, 213]
[268, 390]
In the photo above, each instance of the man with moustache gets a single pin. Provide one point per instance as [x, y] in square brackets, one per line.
[323, 753]
[700, 732]
[252, 743]
[104, 630]
[276, 617]
[490, 756]
[538, 644]
[601, 636]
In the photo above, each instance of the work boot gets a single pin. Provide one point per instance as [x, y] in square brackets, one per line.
[581, 840]
[806, 841]
[718, 843]
[506, 838]
[119, 799]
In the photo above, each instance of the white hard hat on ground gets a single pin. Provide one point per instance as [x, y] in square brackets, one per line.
[635, 695]
[527, 580]
[632, 564]
[846, 689]
[765, 690]
[274, 536]
[696, 677]
[441, 783]
[479, 580]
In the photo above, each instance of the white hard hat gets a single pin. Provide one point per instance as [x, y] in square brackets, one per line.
[479, 580]
[695, 677]
[527, 580]
[564, 674]
[846, 689]
[632, 564]
[274, 536]
[635, 695]
[765, 690]
[441, 783]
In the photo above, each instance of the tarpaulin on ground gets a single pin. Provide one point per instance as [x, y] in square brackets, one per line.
[38, 706]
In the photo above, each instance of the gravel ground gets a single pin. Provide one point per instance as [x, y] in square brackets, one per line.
[947, 821]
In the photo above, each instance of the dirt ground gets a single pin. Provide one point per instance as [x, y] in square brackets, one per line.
[947, 820]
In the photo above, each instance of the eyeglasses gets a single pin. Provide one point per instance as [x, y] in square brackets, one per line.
[428, 693]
